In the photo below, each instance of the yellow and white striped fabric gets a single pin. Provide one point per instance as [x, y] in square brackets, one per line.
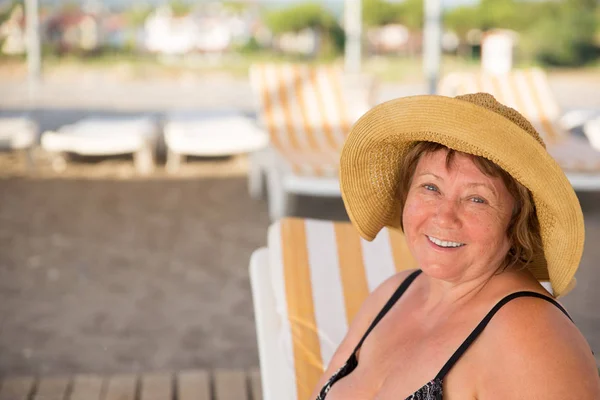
[307, 112]
[528, 91]
[322, 271]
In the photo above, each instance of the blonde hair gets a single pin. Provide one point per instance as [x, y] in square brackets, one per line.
[523, 229]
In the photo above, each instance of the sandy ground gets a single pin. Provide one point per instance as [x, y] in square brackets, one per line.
[103, 271]
[109, 275]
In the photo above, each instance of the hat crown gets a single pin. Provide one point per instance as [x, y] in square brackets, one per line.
[488, 101]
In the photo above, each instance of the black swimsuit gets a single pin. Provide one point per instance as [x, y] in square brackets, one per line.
[432, 390]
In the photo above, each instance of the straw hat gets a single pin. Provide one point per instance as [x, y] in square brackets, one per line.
[475, 124]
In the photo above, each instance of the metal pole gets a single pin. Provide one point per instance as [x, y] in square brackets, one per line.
[432, 51]
[353, 30]
[34, 59]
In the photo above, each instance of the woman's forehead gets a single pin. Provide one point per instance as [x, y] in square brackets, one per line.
[437, 164]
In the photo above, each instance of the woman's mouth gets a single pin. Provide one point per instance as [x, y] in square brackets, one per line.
[444, 243]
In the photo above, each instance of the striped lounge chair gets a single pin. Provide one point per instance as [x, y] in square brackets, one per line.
[529, 92]
[307, 286]
[307, 112]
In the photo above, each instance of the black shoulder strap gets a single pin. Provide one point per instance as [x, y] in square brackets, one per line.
[390, 303]
[479, 328]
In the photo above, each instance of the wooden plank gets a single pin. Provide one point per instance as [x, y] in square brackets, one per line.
[121, 387]
[255, 384]
[52, 388]
[230, 385]
[16, 388]
[193, 385]
[87, 387]
[157, 387]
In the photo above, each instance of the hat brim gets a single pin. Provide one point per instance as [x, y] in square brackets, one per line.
[380, 138]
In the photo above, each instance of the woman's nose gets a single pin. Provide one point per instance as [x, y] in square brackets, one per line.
[446, 214]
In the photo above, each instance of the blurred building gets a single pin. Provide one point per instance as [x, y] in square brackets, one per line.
[208, 30]
[393, 39]
[74, 30]
[304, 42]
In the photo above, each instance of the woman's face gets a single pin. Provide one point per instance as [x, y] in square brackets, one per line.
[456, 218]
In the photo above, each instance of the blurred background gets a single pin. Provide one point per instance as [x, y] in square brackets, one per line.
[116, 264]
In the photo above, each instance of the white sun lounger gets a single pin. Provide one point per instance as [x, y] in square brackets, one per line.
[212, 134]
[307, 112]
[103, 137]
[529, 92]
[19, 134]
[307, 286]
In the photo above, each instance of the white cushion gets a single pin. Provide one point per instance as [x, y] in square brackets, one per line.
[17, 132]
[102, 136]
[213, 135]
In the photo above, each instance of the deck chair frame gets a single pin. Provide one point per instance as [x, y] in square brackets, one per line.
[307, 112]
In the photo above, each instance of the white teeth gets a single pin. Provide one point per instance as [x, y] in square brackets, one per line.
[443, 243]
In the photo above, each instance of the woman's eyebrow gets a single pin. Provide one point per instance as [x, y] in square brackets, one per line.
[484, 185]
[430, 173]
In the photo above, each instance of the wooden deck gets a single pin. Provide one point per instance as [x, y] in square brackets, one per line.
[185, 385]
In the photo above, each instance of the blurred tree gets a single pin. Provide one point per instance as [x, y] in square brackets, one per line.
[7, 8]
[499, 14]
[380, 12]
[462, 19]
[236, 6]
[309, 15]
[560, 32]
[299, 16]
[137, 15]
[180, 7]
[411, 13]
[563, 35]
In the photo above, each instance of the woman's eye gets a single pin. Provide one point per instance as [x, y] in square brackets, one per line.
[430, 187]
[478, 200]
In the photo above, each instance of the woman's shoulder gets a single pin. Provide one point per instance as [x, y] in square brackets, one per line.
[386, 289]
[379, 297]
[534, 350]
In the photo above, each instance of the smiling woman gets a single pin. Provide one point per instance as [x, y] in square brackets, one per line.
[523, 229]
[455, 217]
[487, 215]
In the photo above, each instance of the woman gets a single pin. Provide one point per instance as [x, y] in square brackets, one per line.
[487, 214]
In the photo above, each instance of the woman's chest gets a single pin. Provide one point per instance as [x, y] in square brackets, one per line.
[394, 364]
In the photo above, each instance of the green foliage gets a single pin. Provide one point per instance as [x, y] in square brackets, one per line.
[380, 12]
[309, 15]
[250, 47]
[180, 7]
[565, 40]
[235, 6]
[462, 19]
[298, 17]
[412, 14]
[558, 32]
[7, 9]
[136, 16]
[499, 13]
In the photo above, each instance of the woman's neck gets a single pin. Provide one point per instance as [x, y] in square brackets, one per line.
[440, 297]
